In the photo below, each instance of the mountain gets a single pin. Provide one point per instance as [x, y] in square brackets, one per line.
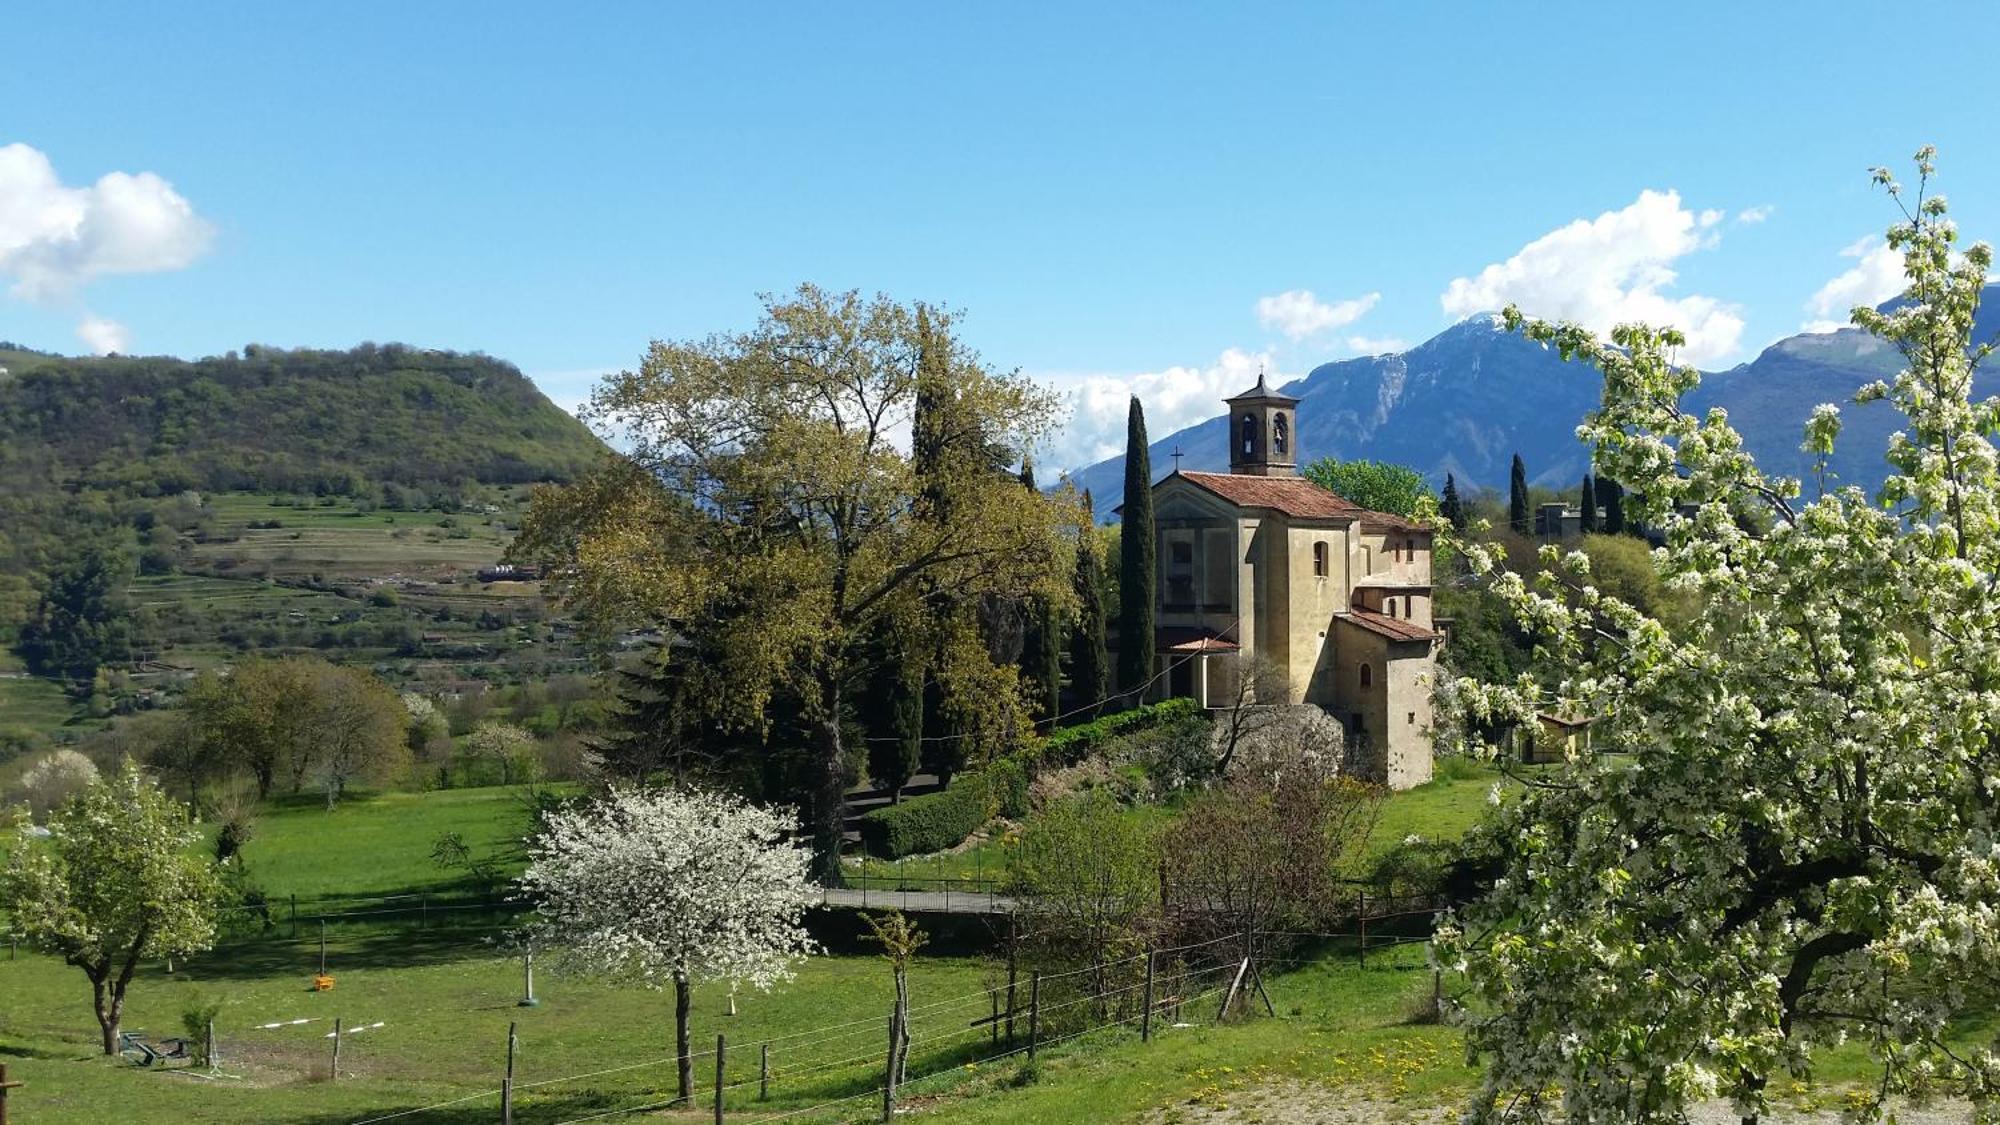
[1466, 400]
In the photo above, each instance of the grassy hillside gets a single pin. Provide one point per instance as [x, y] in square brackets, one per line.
[280, 501]
[285, 420]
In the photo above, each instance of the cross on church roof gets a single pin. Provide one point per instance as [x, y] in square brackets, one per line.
[1177, 455]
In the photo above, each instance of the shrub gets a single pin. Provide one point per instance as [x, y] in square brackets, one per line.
[1072, 744]
[1007, 780]
[932, 822]
[195, 1018]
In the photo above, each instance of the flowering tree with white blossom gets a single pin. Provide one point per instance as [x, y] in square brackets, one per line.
[1789, 833]
[673, 886]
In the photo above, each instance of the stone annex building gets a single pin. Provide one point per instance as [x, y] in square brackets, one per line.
[1328, 602]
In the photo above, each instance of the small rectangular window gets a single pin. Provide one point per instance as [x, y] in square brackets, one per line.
[1413, 718]
[1319, 560]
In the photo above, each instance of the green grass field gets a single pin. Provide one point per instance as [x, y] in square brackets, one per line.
[445, 1007]
[376, 844]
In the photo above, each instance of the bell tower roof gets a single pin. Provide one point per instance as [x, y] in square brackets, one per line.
[1261, 438]
[1262, 392]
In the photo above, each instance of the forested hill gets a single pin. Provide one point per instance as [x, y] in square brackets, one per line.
[270, 419]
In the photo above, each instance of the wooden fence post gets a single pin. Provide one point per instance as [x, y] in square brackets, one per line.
[334, 1074]
[295, 915]
[1146, 1016]
[4, 1087]
[507, 1083]
[1034, 1014]
[1361, 913]
[720, 1045]
[1013, 969]
[764, 1072]
[322, 946]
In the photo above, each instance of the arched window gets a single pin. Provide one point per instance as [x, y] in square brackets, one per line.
[1319, 560]
[1249, 435]
[1281, 435]
[1367, 676]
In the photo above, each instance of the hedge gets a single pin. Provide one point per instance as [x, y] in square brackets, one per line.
[1071, 745]
[936, 821]
[932, 822]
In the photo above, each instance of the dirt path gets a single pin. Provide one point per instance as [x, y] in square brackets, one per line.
[1308, 1104]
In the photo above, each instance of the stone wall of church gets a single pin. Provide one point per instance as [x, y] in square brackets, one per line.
[1407, 719]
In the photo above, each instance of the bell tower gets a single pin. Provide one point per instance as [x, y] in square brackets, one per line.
[1263, 436]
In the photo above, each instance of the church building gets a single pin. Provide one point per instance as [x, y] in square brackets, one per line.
[1266, 574]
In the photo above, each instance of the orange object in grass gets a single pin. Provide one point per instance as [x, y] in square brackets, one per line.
[322, 982]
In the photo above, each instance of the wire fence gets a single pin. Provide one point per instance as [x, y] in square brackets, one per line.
[825, 1069]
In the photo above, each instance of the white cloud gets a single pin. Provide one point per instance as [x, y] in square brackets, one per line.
[1377, 345]
[1174, 398]
[1298, 313]
[103, 336]
[1755, 214]
[1876, 276]
[55, 239]
[1611, 270]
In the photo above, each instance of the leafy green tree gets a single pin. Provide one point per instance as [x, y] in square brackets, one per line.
[1783, 838]
[116, 882]
[505, 748]
[83, 619]
[1519, 517]
[1378, 486]
[1450, 506]
[1089, 665]
[1136, 562]
[763, 496]
[1586, 506]
[1085, 877]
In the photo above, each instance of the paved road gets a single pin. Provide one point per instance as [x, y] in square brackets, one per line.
[932, 902]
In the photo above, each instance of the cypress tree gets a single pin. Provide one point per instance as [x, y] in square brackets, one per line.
[1611, 495]
[1518, 516]
[1041, 644]
[1587, 507]
[894, 719]
[1451, 507]
[1135, 563]
[1089, 674]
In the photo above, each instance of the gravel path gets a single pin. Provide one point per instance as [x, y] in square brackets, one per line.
[1308, 1104]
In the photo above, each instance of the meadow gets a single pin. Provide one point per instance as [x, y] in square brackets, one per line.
[445, 994]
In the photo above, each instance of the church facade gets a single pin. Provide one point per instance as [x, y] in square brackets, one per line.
[1264, 574]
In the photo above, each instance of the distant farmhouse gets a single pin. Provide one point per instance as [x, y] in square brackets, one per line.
[1316, 598]
[508, 572]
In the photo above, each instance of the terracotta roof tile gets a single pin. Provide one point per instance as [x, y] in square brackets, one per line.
[1191, 638]
[1393, 628]
[1294, 496]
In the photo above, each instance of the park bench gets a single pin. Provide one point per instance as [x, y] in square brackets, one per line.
[133, 1045]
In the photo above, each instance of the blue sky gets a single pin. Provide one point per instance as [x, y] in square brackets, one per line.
[1108, 193]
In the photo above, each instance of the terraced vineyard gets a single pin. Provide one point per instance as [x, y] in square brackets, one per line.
[396, 591]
